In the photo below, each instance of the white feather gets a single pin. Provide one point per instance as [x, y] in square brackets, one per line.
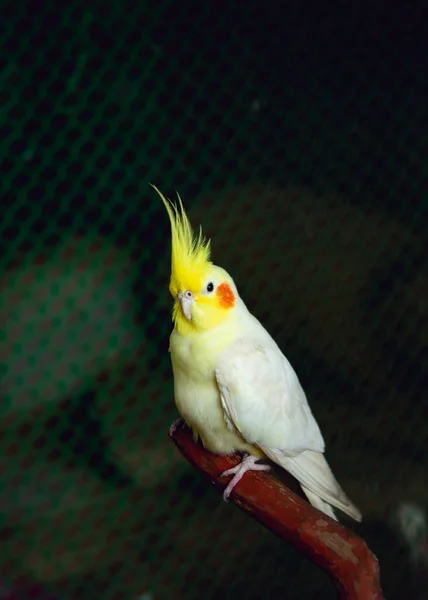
[262, 396]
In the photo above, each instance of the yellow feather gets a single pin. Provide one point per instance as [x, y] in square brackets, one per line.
[190, 253]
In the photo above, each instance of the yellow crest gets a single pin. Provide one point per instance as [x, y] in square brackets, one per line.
[190, 253]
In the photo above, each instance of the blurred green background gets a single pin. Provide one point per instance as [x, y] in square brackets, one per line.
[296, 135]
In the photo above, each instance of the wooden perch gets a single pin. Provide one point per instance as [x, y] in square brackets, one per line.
[337, 550]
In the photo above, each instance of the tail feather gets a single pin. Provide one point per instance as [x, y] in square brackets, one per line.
[318, 482]
[316, 501]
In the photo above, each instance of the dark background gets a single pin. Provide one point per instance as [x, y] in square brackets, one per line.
[296, 135]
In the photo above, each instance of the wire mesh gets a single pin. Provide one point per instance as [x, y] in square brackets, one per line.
[295, 135]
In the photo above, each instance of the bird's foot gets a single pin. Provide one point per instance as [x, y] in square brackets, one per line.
[248, 463]
[175, 426]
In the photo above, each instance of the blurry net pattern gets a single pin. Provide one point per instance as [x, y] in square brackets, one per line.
[298, 140]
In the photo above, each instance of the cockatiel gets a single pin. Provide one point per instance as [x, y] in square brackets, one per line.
[232, 384]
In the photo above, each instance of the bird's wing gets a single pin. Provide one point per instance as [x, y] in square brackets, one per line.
[263, 399]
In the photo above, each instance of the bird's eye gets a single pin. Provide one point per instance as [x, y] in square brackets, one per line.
[210, 287]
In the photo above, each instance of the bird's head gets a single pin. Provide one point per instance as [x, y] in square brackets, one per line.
[204, 294]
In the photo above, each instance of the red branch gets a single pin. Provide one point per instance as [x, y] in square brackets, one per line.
[337, 550]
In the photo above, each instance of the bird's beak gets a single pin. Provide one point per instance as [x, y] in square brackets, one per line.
[186, 301]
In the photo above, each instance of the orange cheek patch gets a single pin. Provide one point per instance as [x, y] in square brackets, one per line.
[225, 295]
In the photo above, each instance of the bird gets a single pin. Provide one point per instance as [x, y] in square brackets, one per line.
[233, 386]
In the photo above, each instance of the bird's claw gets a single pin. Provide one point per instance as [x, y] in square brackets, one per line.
[177, 423]
[247, 464]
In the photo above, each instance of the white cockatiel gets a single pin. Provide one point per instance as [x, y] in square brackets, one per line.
[232, 384]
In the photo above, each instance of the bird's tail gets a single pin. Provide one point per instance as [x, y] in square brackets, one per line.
[318, 482]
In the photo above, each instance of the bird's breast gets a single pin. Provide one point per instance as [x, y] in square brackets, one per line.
[197, 394]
